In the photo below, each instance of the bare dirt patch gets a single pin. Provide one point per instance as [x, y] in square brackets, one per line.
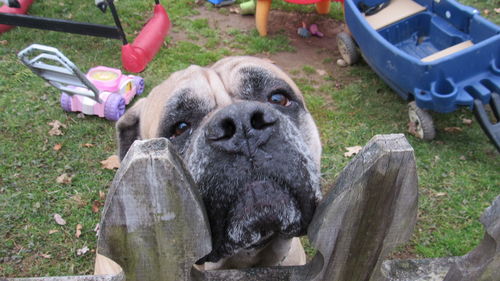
[319, 53]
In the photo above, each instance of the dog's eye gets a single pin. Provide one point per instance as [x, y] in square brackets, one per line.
[178, 129]
[279, 99]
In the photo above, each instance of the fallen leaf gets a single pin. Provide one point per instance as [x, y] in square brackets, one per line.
[77, 198]
[59, 220]
[57, 147]
[64, 179]
[4, 42]
[95, 206]
[45, 256]
[52, 231]
[453, 129]
[82, 251]
[78, 230]
[87, 145]
[497, 10]
[56, 128]
[440, 194]
[102, 195]
[96, 230]
[467, 121]
[113, 162]
[234, 10]
[321, 72]
[352, 150]
[462, 158]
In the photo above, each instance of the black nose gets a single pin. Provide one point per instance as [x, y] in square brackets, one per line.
[242, 127]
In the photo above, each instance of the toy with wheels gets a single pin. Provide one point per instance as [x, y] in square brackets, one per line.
[103, 91]
[441, 55]
[135, 55]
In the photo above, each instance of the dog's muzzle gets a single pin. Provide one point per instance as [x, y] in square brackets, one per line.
[256, 183]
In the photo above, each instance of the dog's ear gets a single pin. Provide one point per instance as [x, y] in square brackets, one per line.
[127, 128]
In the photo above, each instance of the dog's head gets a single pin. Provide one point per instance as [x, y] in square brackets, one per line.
[245, 135]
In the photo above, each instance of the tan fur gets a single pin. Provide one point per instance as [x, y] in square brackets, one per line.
[215, 85]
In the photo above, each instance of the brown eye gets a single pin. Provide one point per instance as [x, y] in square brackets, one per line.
[279, 99]
[178, 129]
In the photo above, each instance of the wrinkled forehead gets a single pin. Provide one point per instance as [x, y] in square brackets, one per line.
[243, 76]
[192, 87]
[208, 88]
[196, 81]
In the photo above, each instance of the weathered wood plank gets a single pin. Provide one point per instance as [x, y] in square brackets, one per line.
[117, 277]
[371, 209]
[482, 263]
[154, 224]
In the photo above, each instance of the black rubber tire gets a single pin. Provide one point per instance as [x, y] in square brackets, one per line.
[422, 121]
[347, 48]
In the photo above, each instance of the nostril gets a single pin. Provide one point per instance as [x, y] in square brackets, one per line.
[223, 129]
[259, 122]
[228, 127]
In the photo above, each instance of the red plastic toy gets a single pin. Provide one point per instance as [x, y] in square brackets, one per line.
[25, 5]
[137, 55]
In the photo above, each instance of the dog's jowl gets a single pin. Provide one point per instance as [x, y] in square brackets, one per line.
[245, 135]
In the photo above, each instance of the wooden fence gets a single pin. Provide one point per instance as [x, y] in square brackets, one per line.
[154, 226]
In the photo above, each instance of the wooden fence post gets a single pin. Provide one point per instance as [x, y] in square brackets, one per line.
[482, 263]
[154, 224]
[371, 209]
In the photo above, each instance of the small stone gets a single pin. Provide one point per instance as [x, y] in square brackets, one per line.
[341, 62]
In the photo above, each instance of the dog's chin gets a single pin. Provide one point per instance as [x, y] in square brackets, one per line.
[262, 211]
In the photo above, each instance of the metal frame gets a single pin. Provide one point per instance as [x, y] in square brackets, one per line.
[63, 74]
[82, 28]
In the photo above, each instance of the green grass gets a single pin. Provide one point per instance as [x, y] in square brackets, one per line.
[458, 172]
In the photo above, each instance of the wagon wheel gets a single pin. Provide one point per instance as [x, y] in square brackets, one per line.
[421, 124]
[347, 48]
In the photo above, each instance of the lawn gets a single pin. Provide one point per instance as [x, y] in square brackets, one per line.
[458, 171]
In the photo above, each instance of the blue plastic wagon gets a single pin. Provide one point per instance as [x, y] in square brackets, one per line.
[438, 54]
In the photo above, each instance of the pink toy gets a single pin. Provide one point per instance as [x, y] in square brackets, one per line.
[115, 91]
[315, 31]
[103, 91]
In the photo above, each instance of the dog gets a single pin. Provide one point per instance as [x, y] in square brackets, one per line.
[245, 135]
